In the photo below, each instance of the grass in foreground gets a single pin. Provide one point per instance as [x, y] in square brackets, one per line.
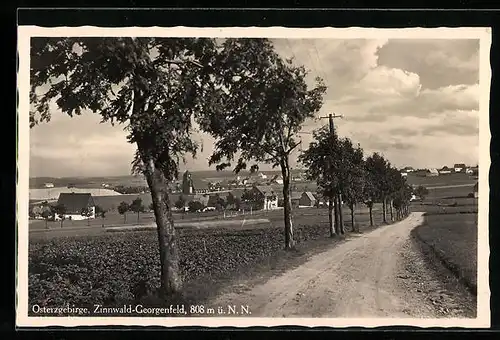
[453, 240]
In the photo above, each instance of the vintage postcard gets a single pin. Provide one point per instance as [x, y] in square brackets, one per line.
[253, 177]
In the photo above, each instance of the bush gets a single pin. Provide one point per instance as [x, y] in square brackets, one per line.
[124, 267]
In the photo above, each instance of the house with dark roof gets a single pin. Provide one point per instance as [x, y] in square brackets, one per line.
[213, 199]
[307, 199]
[74, 205]
[459, 167]
[268, 196]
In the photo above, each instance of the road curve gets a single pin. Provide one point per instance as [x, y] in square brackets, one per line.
[357, 278]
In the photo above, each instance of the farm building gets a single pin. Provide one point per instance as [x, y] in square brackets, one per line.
[433, 173]
[268, 195]
[74, 204]
[408, 169]
[236, 193]
[307, 199]
[444, 170]
[48, 185]
[459, 167]
[213, 199]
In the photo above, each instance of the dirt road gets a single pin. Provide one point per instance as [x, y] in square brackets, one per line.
[366, 276]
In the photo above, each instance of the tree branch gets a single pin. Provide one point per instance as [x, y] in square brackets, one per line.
[292, 148]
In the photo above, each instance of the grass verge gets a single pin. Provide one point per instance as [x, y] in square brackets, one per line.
[451, 239]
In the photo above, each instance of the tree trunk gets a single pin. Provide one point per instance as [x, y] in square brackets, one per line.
[336, 214]
[171, 282]
[384, 210]
[331, 217]
[353, 226]
[125, 218]
[138, 217]
[62, 220]
[287, 204]
[341, 214]
[370, 208]
[46, 224]
[391, 210]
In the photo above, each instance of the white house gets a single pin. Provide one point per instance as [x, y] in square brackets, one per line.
[48, 185]
[404, 174]
[262, 176]
[74, 205]
[268, 196]
[408, 169]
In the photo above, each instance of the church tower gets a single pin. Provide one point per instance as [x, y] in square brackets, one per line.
[187, 183]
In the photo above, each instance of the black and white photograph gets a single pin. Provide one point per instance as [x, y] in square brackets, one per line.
[253, 177]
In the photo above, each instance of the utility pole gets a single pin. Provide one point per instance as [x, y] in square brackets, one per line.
[330, 119]
[337, 199]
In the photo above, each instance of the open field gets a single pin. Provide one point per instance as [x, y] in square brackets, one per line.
[442, 180]
[123, 267]
[52, 194]
[87, 182]
[301, 215]
[450, 231]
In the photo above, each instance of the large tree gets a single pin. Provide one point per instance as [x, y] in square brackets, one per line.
[377, 170]
[262, 102]
[137, 207]
[353, 177]
[152, 86]
[322, 161]
[370, 193]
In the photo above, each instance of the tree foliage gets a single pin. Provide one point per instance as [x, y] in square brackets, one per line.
[337, 166]
[258, 110]
[148, 84]
[195, 206]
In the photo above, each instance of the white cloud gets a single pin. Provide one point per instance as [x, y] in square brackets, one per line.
[381, 87]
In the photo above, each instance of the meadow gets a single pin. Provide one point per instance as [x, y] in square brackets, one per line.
[450, 232]
[443, 180]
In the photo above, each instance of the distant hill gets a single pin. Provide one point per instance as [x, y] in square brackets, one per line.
[86, 182]
[129, 180]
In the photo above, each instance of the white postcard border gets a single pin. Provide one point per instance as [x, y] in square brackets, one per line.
[483, 293]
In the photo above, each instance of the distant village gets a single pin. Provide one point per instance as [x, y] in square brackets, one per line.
[445, 170]
[191, 193]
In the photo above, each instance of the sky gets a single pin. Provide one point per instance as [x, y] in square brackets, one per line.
[414, 101]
